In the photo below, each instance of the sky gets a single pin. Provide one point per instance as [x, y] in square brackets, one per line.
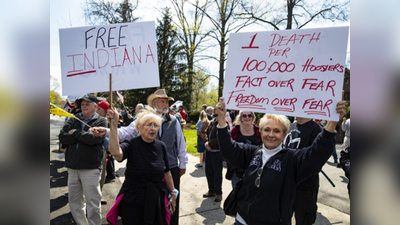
[65, 14]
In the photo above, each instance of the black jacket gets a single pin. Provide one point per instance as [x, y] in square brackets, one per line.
[211, 134]
[272, 203]
[84, 150]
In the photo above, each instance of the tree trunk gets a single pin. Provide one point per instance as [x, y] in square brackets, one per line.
[190, 80]
[221, 66]
[290, 6]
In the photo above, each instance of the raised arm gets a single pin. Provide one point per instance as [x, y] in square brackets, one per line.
[113, 145]
[237, 154]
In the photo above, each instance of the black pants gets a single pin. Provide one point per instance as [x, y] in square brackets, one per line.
[305, 207]
[214, 172]
[175, 172]
[130, 214]
[110, 169]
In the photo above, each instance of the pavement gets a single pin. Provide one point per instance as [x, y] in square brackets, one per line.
[333, 202]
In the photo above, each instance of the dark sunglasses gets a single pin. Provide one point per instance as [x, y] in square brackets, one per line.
[248, 115]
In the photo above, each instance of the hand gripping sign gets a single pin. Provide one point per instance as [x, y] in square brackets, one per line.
[290, 72]
[90, 54]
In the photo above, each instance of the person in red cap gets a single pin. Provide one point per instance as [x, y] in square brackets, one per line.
[108, 159]
[102, 108]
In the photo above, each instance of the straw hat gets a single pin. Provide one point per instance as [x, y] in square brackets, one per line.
[160, 93]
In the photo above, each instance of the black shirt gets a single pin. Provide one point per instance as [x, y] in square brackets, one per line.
[146, 162]
[251, 140]
[301, 136]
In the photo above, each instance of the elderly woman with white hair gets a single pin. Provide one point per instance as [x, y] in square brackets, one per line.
[272, 173]
[143, 196]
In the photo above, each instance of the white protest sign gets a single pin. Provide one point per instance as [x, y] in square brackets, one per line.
[291, 72]
[89, 54]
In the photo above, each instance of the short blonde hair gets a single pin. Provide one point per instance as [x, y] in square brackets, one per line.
[145, 115]
[238, 121]
[278, 118]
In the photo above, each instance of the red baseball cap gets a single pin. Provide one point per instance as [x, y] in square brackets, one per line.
[104, 105]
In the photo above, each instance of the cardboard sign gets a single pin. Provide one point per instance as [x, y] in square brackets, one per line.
[290, 72]
[89, 54]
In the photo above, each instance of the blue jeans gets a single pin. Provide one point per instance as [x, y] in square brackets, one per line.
[334, 154]
[214, 172]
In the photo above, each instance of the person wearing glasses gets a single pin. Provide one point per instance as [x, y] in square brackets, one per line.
[170, 133]
[143, 198]
[244, 131]
[269, 184]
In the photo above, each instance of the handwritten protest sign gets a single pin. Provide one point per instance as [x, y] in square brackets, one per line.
[290, 72]
[90, 54]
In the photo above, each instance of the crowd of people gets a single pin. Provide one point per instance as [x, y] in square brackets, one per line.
[276, 161]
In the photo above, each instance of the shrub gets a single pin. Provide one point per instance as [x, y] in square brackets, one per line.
[193, 116]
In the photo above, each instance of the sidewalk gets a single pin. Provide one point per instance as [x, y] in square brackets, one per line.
[194, 209]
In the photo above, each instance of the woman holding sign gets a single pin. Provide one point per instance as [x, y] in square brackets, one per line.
[143, 196]
[271, 176]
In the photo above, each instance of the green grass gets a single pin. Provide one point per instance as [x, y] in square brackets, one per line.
[191, 141]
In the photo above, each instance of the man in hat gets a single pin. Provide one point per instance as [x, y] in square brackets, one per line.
[170, 133]
[83, 160]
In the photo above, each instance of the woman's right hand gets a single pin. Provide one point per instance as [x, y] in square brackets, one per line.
[172, 204]
[112, 116]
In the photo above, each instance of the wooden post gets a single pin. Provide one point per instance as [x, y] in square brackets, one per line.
[110, 106]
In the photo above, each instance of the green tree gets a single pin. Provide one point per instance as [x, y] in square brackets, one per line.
[55, 98]
[200, 83]
[212, 96]
[171, 64]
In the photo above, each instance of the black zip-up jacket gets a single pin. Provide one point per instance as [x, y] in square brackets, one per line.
[272, 202]
[84, 150]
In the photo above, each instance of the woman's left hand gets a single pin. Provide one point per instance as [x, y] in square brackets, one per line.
[172, 204]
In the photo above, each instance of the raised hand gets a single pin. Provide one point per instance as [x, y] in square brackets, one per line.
[221, 111]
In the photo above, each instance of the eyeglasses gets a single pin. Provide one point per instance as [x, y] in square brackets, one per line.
[247, 115]
[258, 179]
[152, 125]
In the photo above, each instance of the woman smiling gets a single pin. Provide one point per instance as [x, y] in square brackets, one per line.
[271, 176]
